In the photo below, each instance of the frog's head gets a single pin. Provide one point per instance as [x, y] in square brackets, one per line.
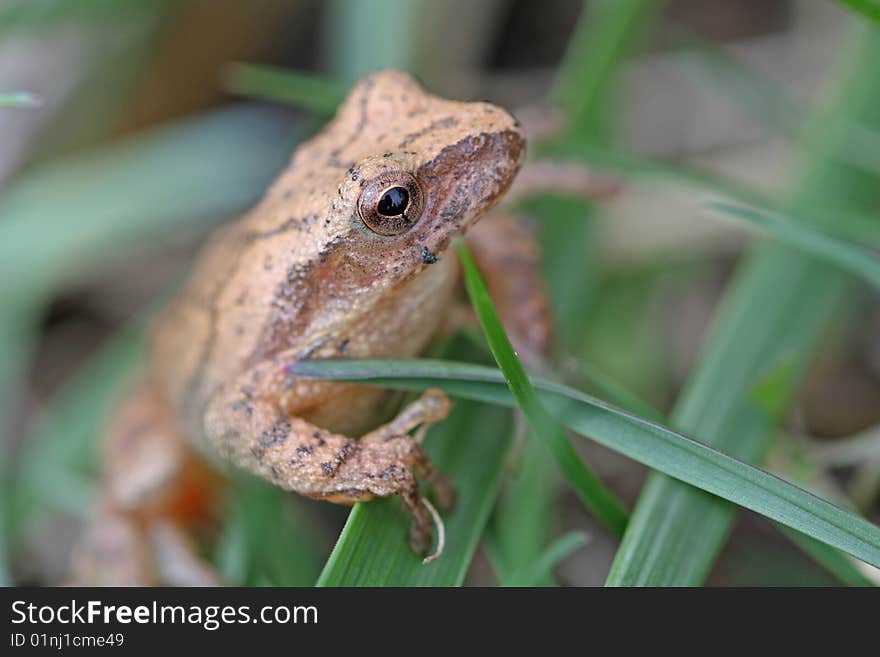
[401, 173]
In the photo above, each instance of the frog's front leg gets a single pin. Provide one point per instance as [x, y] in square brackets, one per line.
[258, 434]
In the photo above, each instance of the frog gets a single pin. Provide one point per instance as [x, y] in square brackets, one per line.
[347, 255]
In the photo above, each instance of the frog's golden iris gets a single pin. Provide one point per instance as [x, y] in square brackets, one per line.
[391, 202]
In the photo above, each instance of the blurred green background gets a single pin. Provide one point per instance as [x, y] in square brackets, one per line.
[128, 130]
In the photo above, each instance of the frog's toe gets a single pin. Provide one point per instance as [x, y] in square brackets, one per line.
[443, 491]
[420, 538]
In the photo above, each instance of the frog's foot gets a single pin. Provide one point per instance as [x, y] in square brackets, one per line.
[432, 407]
[297, 455]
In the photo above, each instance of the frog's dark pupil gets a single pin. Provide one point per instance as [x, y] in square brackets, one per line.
[393, 202]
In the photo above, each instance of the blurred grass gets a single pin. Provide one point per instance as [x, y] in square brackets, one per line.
[851, 258]
[773, 313]
[19, 99]
[868, 8]
[316, 93]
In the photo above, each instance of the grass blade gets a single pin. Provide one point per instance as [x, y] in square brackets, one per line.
[588, 75]
[773, 315]
[836, 563]
[655, 446]
[317, 93]
[19, 99]
[867, 8]
[587, 486]
[535, 573]
[134, 190]
[850, 257]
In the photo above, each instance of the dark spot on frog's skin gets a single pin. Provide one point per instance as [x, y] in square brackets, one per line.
[304, 450]
[343, 345]
[363, 182]
[386, 155]
[327, 467]
[276, 434]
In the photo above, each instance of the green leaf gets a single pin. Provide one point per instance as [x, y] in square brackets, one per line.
[267, 537]
[587, 77]
[19, 99]
[775, 310]
[50, 474]
[850, 257]
[657, 447]
[587, 486]
[472, 446]
[867, 8]
[317, 93]
[356, 47]
[533, 574]
[527, 510]
[835, 562]
[55, 220]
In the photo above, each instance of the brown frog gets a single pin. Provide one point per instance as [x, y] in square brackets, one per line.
[345, 256]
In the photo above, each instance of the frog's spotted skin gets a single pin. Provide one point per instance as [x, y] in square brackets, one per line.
[303, 275]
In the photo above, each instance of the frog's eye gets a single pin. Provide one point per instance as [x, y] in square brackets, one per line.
[391, 203]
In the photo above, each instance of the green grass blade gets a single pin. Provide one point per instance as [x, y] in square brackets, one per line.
[587, 77]
[55, 467]
[850, 257]
[19, 99]
[683, 458]
[835, 562]
[526, 513]
[867, 8]
[317, 93]
[360, 41]
[267, 537]
[589, 489]
[832, 560]
[773, 314]
[373, 549]
[537, 572]
[55, 220]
